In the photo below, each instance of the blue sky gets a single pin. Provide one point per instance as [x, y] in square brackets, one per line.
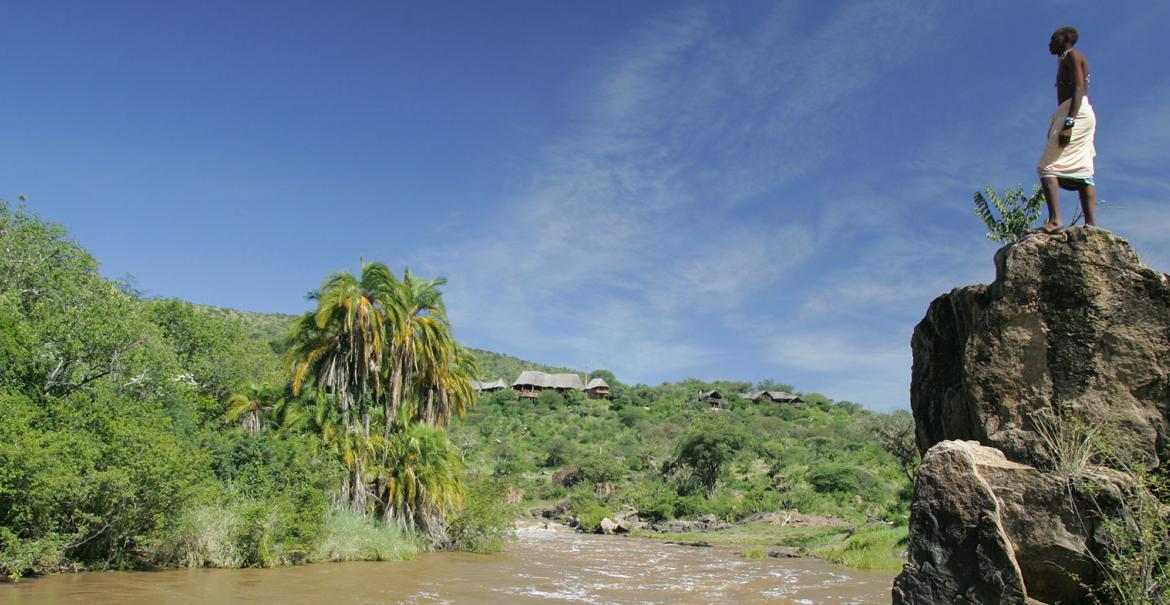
[738, 190]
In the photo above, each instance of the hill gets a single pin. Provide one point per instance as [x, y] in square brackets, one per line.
[497, 365]
[273, 328]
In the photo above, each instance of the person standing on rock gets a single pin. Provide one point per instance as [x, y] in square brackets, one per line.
[1067, 162]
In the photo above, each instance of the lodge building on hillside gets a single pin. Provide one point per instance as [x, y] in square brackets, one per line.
[488, 387]
[713, 398]
[531, 383]
[773, 396]
[598, 389]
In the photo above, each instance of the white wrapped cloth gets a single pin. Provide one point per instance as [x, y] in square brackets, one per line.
[1075, 160]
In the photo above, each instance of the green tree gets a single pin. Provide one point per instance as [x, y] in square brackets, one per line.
[895, 433]
[341, 347]
[1016, 212]
[216, 352]
[484, 524]
[551, 399]
[425, 360]
[705, 451]
[605, 375]
[252, 407]
[424, 479]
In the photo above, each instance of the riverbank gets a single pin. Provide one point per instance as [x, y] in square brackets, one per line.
[872, 547]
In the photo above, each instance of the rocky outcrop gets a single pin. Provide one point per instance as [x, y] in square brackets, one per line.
[1073, 323]
[1074, 326]
[610, 527]
[987, 530]
[568, 476]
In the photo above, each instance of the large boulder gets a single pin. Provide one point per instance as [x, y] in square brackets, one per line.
[1073, 324]
[1075, 330]
[987, 530]
[610, 527]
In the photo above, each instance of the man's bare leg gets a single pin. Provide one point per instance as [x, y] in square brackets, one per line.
[1088, 204]
[1052, 197]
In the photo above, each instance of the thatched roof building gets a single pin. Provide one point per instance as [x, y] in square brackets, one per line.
[488, 387]
[530, 383]
[598, 389]
[549, 381]
[712, 397]
[776, 396]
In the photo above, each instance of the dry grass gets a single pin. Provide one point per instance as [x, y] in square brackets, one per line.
[1070, 442]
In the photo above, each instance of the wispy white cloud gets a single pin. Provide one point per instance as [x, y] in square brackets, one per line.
[628, 251]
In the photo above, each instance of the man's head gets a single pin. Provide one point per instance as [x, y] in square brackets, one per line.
[1063, 39]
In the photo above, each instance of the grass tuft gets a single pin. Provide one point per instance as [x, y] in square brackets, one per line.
[207, 536]
[875, 548]
[353, 537]
[1069, 441]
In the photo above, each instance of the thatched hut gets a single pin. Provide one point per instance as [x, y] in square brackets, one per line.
[598, 389]
[489, 387]
[772, 396]
[531, 383]
[713, 398]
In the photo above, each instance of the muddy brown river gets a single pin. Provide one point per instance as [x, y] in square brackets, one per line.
[540, 566]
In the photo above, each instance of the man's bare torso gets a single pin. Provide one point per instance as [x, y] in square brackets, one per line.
[1066, 75]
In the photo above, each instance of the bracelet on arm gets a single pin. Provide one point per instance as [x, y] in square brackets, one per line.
[1069, 122]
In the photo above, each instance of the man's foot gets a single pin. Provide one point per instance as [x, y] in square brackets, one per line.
[1048, 229]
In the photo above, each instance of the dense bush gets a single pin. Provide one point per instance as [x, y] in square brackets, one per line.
[707, 448]
[484, 524]
[588, 511]
[836, 477]
[551, 400]
[114, 451]
[99, 493]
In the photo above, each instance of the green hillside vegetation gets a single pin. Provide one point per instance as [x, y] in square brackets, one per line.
[662, 452]
[271, 328]
[141, 433]
[497, 365]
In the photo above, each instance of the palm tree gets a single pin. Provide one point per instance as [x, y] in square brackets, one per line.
[340, 347]
[426, 361]
[445, 388]
[288, 415]
[424, 479]
[372, 345]
[250, 407]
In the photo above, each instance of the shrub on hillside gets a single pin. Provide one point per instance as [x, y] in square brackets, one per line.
[551, 400]
[631, 416]
[502, 397]
[601, 467]
[558, 451]
[706, 449]
[837, 477]
[655, 501]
